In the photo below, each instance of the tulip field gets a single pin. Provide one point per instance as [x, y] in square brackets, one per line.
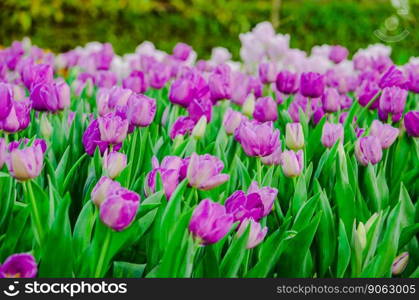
[285, 163]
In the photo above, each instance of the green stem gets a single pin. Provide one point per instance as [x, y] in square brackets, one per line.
[35, 213]
[259, 169]
[103, 253]
[246, 261]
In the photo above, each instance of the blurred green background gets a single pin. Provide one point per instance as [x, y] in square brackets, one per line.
[60, 25]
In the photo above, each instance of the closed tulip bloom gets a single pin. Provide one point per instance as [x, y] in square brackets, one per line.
[366, 92]
[287, 82]
[331, 100]
[22, 265]
[249, 105]
[119, 209]
[257, 139]
[204, 172]
[411, 123]
[118, 97]
[294, 138]
[267, 195]
[292, 163]
[240, 87]
[113, 128]
[182, 92]
[51, 96]
[232, 120]
[256, 234]
[267, 72]
[135, 82]
[33, 74]
[199, 130]
[25, 142]
[102, 101]
[92, 139]
[311, 84]
[331, 134]
[200, 107]
[3, 152]
[392, 77]
[318, 114]
[182, 51]
[103, 189]
[45, 127]
[114, 163]
[158, 75]
[386, 133]
[210, 222]
[103, 57]
[182, 126]
[413, 77]
[345, 101]
[368, 150]
[105, 79]
[243, 206]
[26, 163]
[265, 110]
[141, 110]
[220, 83]
[338, 53]
[392, 101]
[400, 263]
[6, 98]
[169, 178]
[19, 117]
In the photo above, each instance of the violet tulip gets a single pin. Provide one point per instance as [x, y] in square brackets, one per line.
[219, 83]
[292, 163]
[368, 150]
[34, 74]
[243, 206]
[114, 163]
[105, 79]
[392, 101]
[338, 53]
[257, 139]
[52, 96]
[18, 118]
[287, 82]
[92, 139]
[210, 222]
[273, 159]
[392, 77]
[6, 98]
[267, 72]
[366, 92]
[135, 82]
[25, 163]
[158, 75]
[311, 84]
[182, 92]
[232, 120]
[182, 51]
[141, 110]
[294, 137]
[169, 178]
[198, 108]
[204, 172]
[331, 100]
[386, 133]
[256, 234]
[183, 125]
[22, 265]
[411, 123]
[113, 128]
[265, 110]
[331, 134]
[103, 188]
[267, 195]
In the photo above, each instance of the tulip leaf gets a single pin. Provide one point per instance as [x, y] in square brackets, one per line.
[344, 251]
[122, 269]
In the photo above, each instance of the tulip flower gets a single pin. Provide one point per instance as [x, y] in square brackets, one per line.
[366, 92]
[182, 126]
[413, 77]
[392, 101]
[34, 74]
[232, 120]
[387, 134]
[118, 97]
[311, 84]
[411, 123]
[26, 163]
[182, 92]
[400, 263]
[46, 127]
[106, 79]
[204, 172]
[113, 128]
[158, 75]
[265, 110]
[114, 163]
[210, 222]
[249, 105]
[25, 142]
[22, 265]
[273, 159]
[267, 72]
[18, 118]
[331, 100]
[256, 234]
[294, 137]
[103, 57]
[103, 189]
[338, 53]
[243, 206]
[267, 195]
[392, 77]
[51, 96]
[199, 130]
[257, 139]
[220, 83]
[287, 82]
[331, 134]
[92, 139]
[6, 98]
[141, 110]
[200, 107]
[345, 102]
[368, 150]
[135, 82]
[119, 209]
[182, 51]
[292, 163]
[3, 152]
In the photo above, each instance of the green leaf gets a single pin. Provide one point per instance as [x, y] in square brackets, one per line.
[344, 251]
[122, 269]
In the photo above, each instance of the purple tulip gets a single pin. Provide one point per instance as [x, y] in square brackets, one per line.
[267, 72]
[392, 77]
[311, 84]
[368, 150]
[210, 222]
[113, 128]
[52, 96]
[119, 209]
[381, 63]
[14, 54]
[387, 134]
[302, 102]
[256, 234]
[243, 206]
[232, 120]
[141, 110]
[92, 139]
[345, 101]
[103, 189]
[331, 100]
[265, 110]
[200, 107]
[287, 82]
[182, 126]
[392, 101]
[33, 74]
[366, 92]
[182, 51]
[331, 134]
[338, 53]
[257, 139]
[318, 114]
[135, 82]
[105, 79]
[411, 123]
[22, 265]
[204, 172]
[267, 195]
[114, 163]
[240, 87]
[25, 142]
[6, 98]
[182, 92]
[118, 97]
[26, 163]
[19, 117]
[273, 159]
[3, 152]
[158, 75]
[292, 163]
[103, 58]
[413, 77]
[294, 136]
[359, 131]
[220, 83]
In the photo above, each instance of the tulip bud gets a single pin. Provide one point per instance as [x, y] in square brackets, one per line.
[312, 84]
[400, 263]
[273, 159]
[294, 137]
[287, 82]
[331, 134]
[360, 237]
[265, 110]
[22, 265]
[368, 150]
[46, 127]
[249, 105]
[114, 163]
[113, 128]
[267, 195]
[331, 100]
[338, 53]
[181, 126]
[232, 120]
[392, 101]
[384, 132]
[292, 163]
[256, 233]
[135, 82]
[267, 72]
[102, 189]
[26, 163]
[19, 117]
[411, 123]
[141, 110]
[199, 130]
[242, 206]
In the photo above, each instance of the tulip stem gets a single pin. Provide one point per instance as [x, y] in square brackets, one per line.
[35, 212]
[103, 253]
[259, 170]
